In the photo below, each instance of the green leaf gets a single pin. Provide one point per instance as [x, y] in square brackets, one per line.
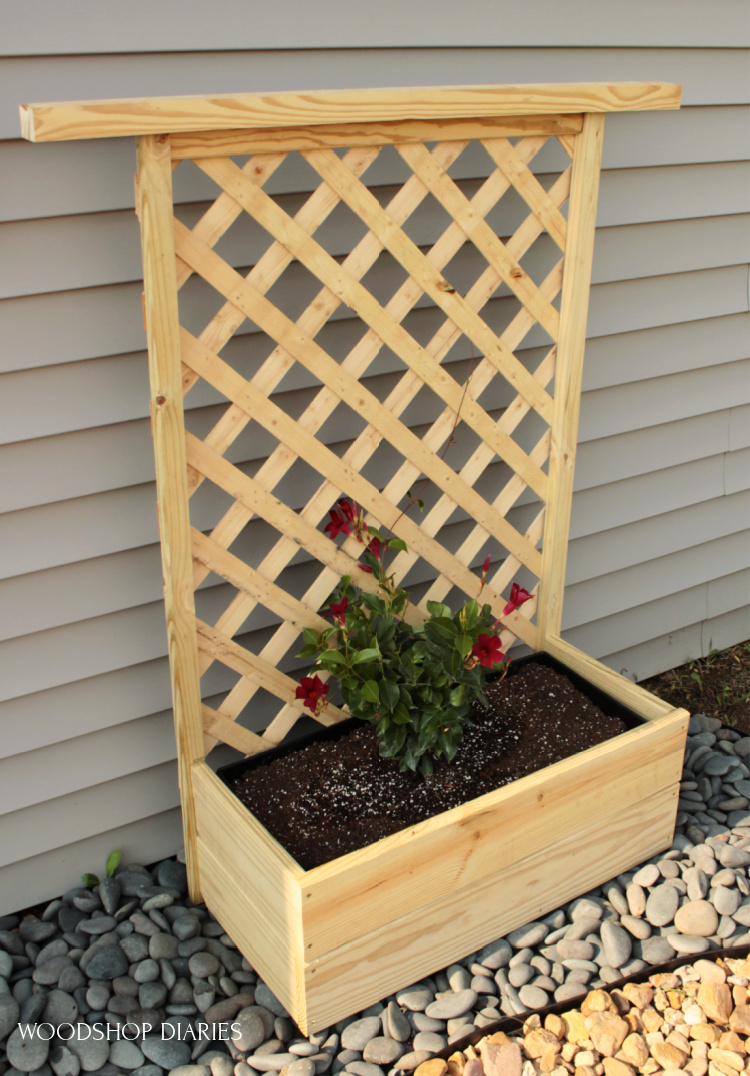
[307, 651]
[438, 609]
[398, 543]
[370, 653]
[389, 694]
[113, 862]
[332, 657]
[90, 880]
[463, 645]
[370, 691]
[401, 715]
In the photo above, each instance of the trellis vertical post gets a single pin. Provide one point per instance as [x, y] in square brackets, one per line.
[574, 303]
[154, 186]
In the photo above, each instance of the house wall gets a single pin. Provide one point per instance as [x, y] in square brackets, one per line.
[659, 563]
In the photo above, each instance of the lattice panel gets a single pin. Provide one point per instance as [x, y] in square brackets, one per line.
[433, 391]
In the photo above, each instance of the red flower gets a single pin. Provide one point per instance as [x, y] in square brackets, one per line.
[365, 568]
[337, 610]
[518, 595]
[374, 547]
[487, 650]
[338, 525]
[348, 509]
[313, 691]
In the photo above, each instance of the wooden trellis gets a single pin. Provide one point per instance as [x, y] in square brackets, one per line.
[514, 410]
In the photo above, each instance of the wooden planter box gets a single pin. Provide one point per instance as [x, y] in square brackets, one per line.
[331, 940]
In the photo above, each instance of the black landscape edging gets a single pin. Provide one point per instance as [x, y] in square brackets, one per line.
[514, 1023]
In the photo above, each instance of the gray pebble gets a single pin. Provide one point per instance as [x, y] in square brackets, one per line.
[264, 997]
[187, 926]
[688, 943]
[530, 934]
[656, 950]
[10, 1011]
[533, 996]
[48, 973]
[663, 901]
[27, 1054]
[725, 900]
[204, 964]
[356, 1035]
[423, 1022]
[364, 1068]
[147, 971]
[431, 1041]
[125, 1054]
[61, 1008]
[575, 949]
[639, 928]
[63, 1061]
[451, 1006]
[617, 944]
[408, 1062]
[382, 1051]
[397, 1025]
[107, 963]
[91, 1052]
[647, 876]
[302, 1067]
[270, 1062]
[495, 955]
[169, 1053]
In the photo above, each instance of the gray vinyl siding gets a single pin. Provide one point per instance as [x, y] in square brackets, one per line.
[659, 560]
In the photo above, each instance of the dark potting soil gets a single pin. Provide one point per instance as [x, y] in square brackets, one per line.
[335, 796]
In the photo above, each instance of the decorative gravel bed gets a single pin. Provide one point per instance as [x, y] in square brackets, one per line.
[134, 952]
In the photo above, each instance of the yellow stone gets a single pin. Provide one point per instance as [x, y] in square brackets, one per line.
[434, 1067]
[739, 994]
[597, 1001]
[668, 1056]
[730, 1040]
[634, 1050]
[569, 1050]
[613, 1067]
[716, 1001]
[666, 980]
[607, 1032]
[740, 1019]
[727, 1057]
[585, 1070]
[638, 994]
[539, 1042]
[652, 1020]
[575, 1026]
[555, 1024]
[498, 1038]
[697, 1066]
[705, 1033]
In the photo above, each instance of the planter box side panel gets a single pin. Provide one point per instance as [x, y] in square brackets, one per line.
[461, 848]
[251, 885]
[404, 950]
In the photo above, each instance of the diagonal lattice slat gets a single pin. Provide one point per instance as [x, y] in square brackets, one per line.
[461, 406]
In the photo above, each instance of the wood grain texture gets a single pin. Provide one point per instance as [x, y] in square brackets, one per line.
[61, 121]
[251, 883]
[397, 132]
[162, 330]
[435, 935]
[574, 303]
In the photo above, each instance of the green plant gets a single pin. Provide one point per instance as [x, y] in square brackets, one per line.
[113, 862]
[415, 681]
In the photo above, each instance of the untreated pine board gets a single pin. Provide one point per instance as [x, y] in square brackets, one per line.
[399, 132]
[52, 122]
[432, 936]
[162, 330]
[569, 370]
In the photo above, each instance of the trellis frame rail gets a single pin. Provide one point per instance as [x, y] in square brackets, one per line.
[209, 130]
